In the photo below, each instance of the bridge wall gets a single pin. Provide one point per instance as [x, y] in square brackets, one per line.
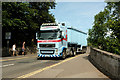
[106, 62]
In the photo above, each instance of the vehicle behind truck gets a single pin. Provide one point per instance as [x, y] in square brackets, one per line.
[58, 40]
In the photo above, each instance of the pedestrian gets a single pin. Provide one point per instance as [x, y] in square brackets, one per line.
[23, 48]
[14, 49]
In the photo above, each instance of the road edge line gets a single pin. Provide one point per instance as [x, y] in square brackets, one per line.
[48, 67]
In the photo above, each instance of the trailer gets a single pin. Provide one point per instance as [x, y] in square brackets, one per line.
[77, 37]
[58, 40]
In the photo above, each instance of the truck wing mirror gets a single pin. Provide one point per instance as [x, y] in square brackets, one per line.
[61, 37]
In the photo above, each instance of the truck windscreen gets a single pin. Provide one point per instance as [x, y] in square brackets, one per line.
[48, 35]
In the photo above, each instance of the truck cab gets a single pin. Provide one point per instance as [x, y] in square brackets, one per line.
[52, 40]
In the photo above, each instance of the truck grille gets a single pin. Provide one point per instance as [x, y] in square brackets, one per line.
[47, 51]
[47, 45]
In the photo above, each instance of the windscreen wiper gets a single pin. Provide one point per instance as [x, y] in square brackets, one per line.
[51, 37]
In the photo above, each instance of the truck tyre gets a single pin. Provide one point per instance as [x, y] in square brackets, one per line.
[38, 58]
[74, 53]
[64, 54]
[71, 53]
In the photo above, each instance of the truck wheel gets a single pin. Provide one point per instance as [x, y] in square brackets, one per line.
[64, 54]
[38, 58]
[74, 53]
[71, 53]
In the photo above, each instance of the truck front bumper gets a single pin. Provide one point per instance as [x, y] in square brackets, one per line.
[41, 55]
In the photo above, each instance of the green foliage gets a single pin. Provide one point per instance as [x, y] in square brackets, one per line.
[23, 19]
[105, 33]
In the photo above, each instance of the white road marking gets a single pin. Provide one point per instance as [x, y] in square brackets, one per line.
[7, 65]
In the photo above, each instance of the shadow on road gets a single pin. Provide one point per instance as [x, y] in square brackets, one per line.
[52, 58]
[58, 58]
[49, 58]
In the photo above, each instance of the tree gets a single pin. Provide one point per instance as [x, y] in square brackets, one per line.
[23, 19]
[105, 33]
[98, 32]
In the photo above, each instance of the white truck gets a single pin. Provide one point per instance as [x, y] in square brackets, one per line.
[58, 40]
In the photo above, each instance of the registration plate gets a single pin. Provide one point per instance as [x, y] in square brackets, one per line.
[47, 51]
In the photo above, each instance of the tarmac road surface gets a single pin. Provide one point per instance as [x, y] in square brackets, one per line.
[29, 67]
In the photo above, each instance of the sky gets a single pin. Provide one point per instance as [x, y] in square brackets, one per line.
[79, 15]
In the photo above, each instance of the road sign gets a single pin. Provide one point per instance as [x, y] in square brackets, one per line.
[8, 35]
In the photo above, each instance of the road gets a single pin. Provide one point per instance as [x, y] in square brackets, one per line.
[17, 66]
[29, 67]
